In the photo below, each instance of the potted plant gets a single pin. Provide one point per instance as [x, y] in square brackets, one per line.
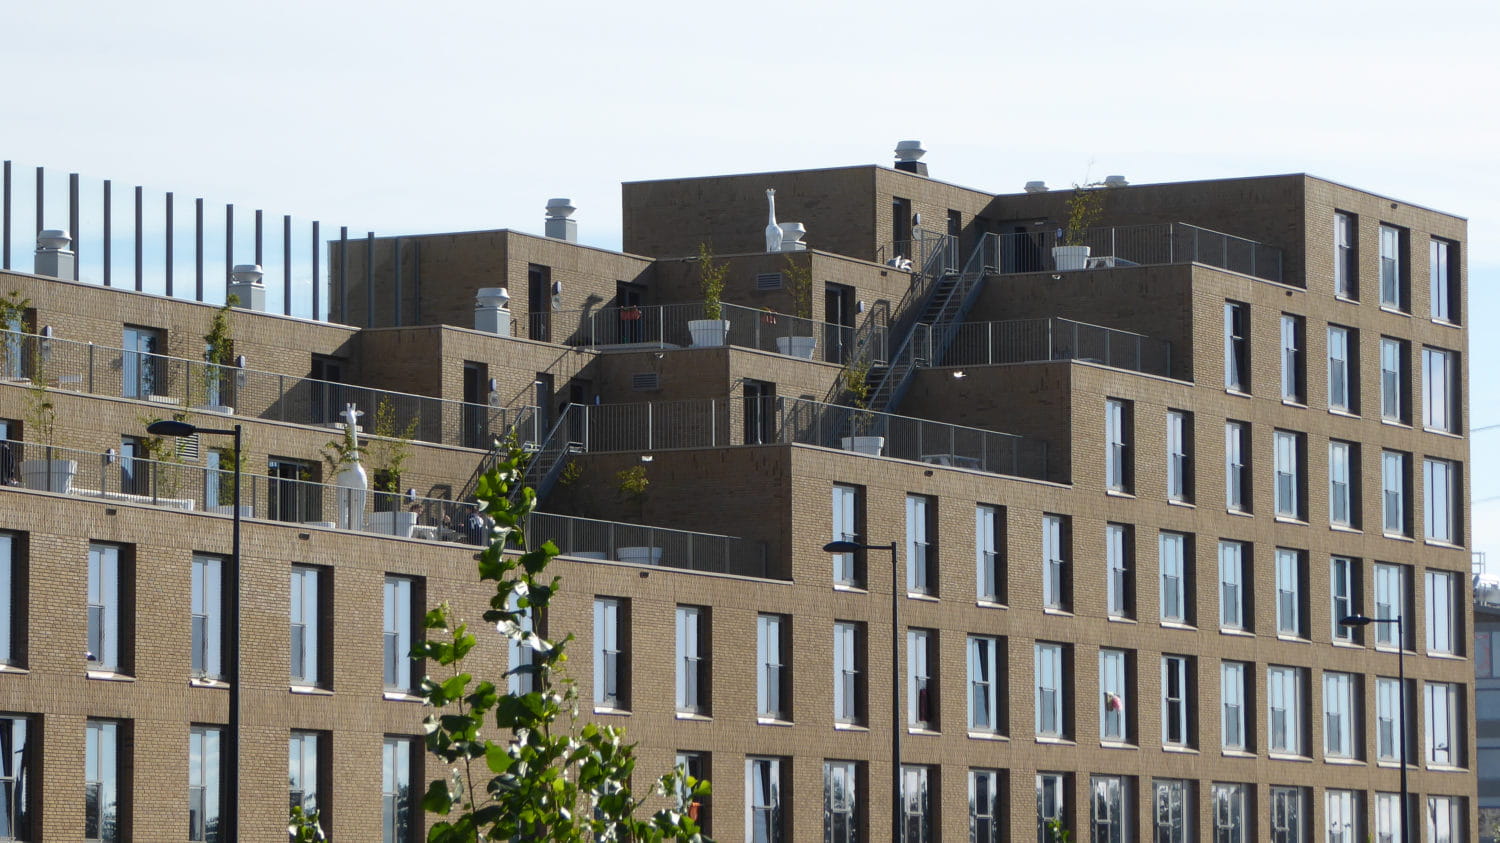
[218, 359]
[13, 329]
[1084, 208]
[389, 450]
[48, 474]
[633, 485]
[630, 313]
[712, 329]
[799, 284]
[857, 384]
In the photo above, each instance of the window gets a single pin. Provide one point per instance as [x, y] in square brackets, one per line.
[1388, 818]
[840, 802]
[1114, 687]
[771, 691]
[1343, 591]
[1237, 346]
[142, 372]
[1338, 714]
[1388, 719]
[1440, 393]
[1289, 591]
[986, 807]
[136, 468]
[102, 772]
[1179, 456]
[205, 796]
[1343, 483]
[1390, 603]
[848, 690]
[916, 805]
[1232, 822]
[520, 653]
[692, 659]
[1055, 590]
[989, 567]
[1394, 376]
[395, 790]
[1293, 359]
[16, 770]
[984, 679]
[1289, 462]
[1440, 488]
[1345, 258]
[401, 619]
[1232, 716]
[1444, 738]
[208, 617]
[1442, 612]
[1108, 809]
[306, 623]
[921, 679]
[292, 491]
[696, 765]
[848, 510]
[1236, 466]
[1284, 694]
[764, 822]
[1393, 272]
[611, 656]
[1343, 369]
[921, 549]
[1442, 274]
[1119, 572]
[1232, 593]
[1288, 820]
[304, 778]
[1394, 466]
[1171, 809]
[1176, 701]
[106, 599]
[1172, 555]
[12, 599]
[1445, 819]
[1051, 802]
[1117, 453]
[1049, 690]
[1342, 808]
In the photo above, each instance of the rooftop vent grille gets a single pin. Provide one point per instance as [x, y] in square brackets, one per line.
[645, 382]
[768, 281]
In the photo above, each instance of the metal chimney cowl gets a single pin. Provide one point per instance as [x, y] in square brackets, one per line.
[908, 157]
[559, 226]
[53, 257]
[492, 310]
[246, 285]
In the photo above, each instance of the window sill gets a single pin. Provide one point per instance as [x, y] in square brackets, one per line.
[1446, 323]
[1445, 768]
[1394, 764]
[12, 669]
[1395, 423]
[921, 596]
[1342, 761]
[1290, 519]
[310, 690]
[1292, 402]
[1118, 619]
[988, 604]
[108, 676]
[695, 716]
[1237, 393]
[1182, 503]
[1348, 645]
[1055, 741]
[1186, 627]
[1394, 310]
[988, 736]
[1237, 753]
[1345, 299]
[402, 696]
[772, 721]
[1447, 657]
[1062, 613]
[1179, 750]
[1388, 649]
[1282, 756]
[1238, 633]
[1120, 493]
[614, 712]
[923, 730]
[1103, 744]
[850, 727]
[852, 589]
[1339, 411]
[1240, 513]
[1291, 639]
[204, 682]
[1346, 528]
[1441, 543]
[1438, 431]
[1398, 537]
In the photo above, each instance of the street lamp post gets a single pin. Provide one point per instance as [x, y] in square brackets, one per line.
[230, 822]
[1361, 621]
[851, 547]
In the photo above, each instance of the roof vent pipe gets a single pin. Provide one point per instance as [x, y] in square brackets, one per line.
[492, 310]
[53, 257]
[245, 284]
[559, 227]
[908, 157]
[1036, 186]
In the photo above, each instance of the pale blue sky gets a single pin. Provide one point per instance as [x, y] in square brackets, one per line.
[404, 117]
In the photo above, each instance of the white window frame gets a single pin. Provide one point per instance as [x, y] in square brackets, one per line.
[1236, 477]
[1114, 696]
[1341, 595]
[846, 673]
[1236, 347]
[1179, 460]
[1293, 368]
[1176, 701]
[1231, 584]
[1289, 815]
[104, 607]
[1388, 719]
[1440, 279]
[1340, 385]
[1117, 571]
[1052, 562]
[1440, 492]
[1289, 593]
[1393, 497]
[1171, 557]
[8, 599]
[984, 685]
[205, 796]
[763, 817]
[1391, 294]
[610, 690]
[1344, 269]
[1339, 713]
[1392, 373]
[1388, 818]
[1232, 722]
[1284, 696]
[841, 801]
[986, 807]
[396, 796]
[102, 776]
[1340, 483]
[1445, 819]
[1051, 799]
[1390, 603]
[1049, 690]
[1108, 807]
[1288, 474]
[1231, 817]
[917, 809]
[920, 568]
[1341, 815]
[1171, 807]
[986, 555]
[302, 768]
[1117, 446]
[1443, 730]
[770, 674]
[920, 679]
[1439, 389]
[845, 514]
[306, 623]
[400, 626]
[692, 660]
[207, 608]
[1442, 615]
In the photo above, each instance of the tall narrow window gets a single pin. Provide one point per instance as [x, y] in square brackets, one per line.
[1176, 701]
[1119, 572]
[1445, 819]
[1179, 456]
[1390, 603]
[1117, 452]
[847, 567]
[205, 797]
[12, 596]
[1232, 819]
[771, 692]
[395, 790]
[401, 615]
[1440, 390]
[989, 571]
[1442, 612]
[1342, 591]
[848, 691]
[1394, 509]
[1237, 346]
[1342, 809]
[1232, 706]
[1054, 576]
[1388, 694]
[1338, 714]
[921, 679]
[303, 779]
[1293, 359]
[1172, 553]
[916, 804]
[1394, 371]
[1284, 694]
[1051, 801]
[1289, 589]
[986, 807]
[1289, 474]
[1388, 818]
[1172, 815]
[1345, 265]
[696, 765]
[984, 680]
[1049, 690]
[17, 766]
[764, 822]
[1114, 695]
[1393, 278]
[1231, 585]
[611, 656]
[1444, 738]
[921, 545]
[692, 659]
[142, 370]
[1342, 483]
[1108, 809]
[1236, 466]
[306, 620]
[105, 600]
[1288, 815]
[840, 802]
[102, 772]
[1442, 273]
[208, 617]
[1342, 373]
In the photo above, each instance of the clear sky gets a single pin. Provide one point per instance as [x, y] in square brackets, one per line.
[408, 117]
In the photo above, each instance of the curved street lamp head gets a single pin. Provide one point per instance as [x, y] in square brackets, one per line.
[169, 427]
[843, 547]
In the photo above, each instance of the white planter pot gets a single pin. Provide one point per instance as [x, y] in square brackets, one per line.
[399, 523]
[588, 554]
[221, 409]
[49, 475]
[1070, 257]
[708, 333]
[871, 445]
[639, 555]
[228, 509]
[797, 346]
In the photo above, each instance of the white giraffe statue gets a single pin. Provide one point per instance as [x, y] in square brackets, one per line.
[773, 231]
[352, 481]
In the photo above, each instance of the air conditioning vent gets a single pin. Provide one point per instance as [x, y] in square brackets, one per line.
[768, 281]
[187, 448]
[645, 382]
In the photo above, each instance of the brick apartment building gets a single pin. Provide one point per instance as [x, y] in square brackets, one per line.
[1127, 503]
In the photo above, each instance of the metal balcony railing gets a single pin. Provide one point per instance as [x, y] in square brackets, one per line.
[1032, 340]
[1134, 245]
[592, 539]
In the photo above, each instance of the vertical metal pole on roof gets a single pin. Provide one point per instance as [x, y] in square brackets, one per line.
[169, 244]
[5, 224]
[228, 246]
[258, 232]
[139, 245]
[41, 190]
[396, 262]
[344, 273]
[370, 279]
[316, 314]
[73, 221]
[108, 236]
[198, 248]
[286, 264]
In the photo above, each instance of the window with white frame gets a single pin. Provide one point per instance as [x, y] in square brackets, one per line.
[921, 545]
[1176, 701]
[1393, 471]
[1440, 488]
[1288, 474]
[1232, 585]
[1339, 710]
[1117, 452]
[764, 822]
[1293, 359]
[1393, 278]
[611, 656]
[1345, 258]
[984, 682]
[692, 659]
[1341, 809]
[848, 702]
[1288, 815]
[204, 793]
[1442, 274]
[989, 571]
[396, 797]
[1341, 372]
[840, 802]
[1289, 589]
[1108, 809]
[1232, 706]
[986, 807]
[12, 602]
[105, 601]
[1237, 466]
[1442, 612]
[1388, 719]
[1444, 737]
[921, 679]
[1171, 807]
[1388, 818]
[1179, 456]
[519, 650]
[1172, 558]
[1051, 801]
[1445, 819]
[1284, 695]
[1054, 561]
[1119, 582]
[207, 607]
[1114, 687]
[698, 766]
[1390, 603]
[400, 629]
[770, 663]
[1393, 370]
[1049, 690]
[102, 781]
[848, 568]
[304, 783]
[1232, 819]
[17, 768]
[1440, 390]
[1237, 346]
[916, 805]
[1343, 596]
[306, 625]
[1342, 483]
